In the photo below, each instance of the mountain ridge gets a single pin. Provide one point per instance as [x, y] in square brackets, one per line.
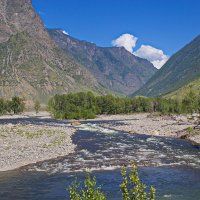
[181, 69]
[31, 64]
[36, 67]
[114, 67]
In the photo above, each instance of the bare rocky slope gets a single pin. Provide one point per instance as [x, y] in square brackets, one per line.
[115, 68]
[31, 64]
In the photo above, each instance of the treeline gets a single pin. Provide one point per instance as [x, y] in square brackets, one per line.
[85, 105]
[14, 106]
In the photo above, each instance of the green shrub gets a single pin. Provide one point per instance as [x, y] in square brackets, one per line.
[3, 107]
[17, 105]
[37, 106]
[190, 129]
[88, 192]
[131, 188]
[190, 103]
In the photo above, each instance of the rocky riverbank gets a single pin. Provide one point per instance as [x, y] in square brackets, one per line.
[28, 138]
[154, 124]
[22, 144]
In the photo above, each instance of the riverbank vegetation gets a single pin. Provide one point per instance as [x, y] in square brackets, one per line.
[14, 106]
[37, 106]
[131, 188]
[87, 105]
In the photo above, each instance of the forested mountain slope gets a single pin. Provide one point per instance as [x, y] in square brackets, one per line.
[181, 69]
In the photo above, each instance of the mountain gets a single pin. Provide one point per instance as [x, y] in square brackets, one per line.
[181, 92]
[115, 68]
[181, 69]
[31, 63]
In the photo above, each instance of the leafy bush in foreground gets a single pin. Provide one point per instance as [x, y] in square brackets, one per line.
[88, 192]
[131, 188]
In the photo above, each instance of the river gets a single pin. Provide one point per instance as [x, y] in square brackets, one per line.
[171, 165]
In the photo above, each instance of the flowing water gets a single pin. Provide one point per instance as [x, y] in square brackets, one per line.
[171, 165]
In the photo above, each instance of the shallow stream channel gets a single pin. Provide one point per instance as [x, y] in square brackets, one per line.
[171, 165]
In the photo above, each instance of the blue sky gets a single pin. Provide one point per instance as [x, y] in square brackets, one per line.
[162, 24]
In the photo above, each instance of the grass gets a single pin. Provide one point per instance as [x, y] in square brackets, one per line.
[190, 130]
[29, 134]
[58, 141]
[33, 134]
[56, 137]
[180, 93]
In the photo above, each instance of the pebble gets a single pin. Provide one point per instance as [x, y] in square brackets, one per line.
[26, 144]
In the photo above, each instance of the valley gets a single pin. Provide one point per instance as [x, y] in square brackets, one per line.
[71, 108]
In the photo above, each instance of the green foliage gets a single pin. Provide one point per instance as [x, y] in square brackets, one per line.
[3, 106]
[190, 129]
[88, 192]
[87, 106]
[190, 102]
[37, 106]
[131, 188]
[14, 106]
[17, 105]
[180, 93]
[73, 106]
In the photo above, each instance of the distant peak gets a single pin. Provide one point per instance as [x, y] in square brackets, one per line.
[64, 32]
[59, 30]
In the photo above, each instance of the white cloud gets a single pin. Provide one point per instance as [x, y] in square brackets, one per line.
[159, 63]
[64, 32]
[155, 56]
[127, 41]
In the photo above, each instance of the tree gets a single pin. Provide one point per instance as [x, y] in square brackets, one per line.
[85, 105]
[37, 106]
[3, 107]
[190, 102]
[17, 105]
